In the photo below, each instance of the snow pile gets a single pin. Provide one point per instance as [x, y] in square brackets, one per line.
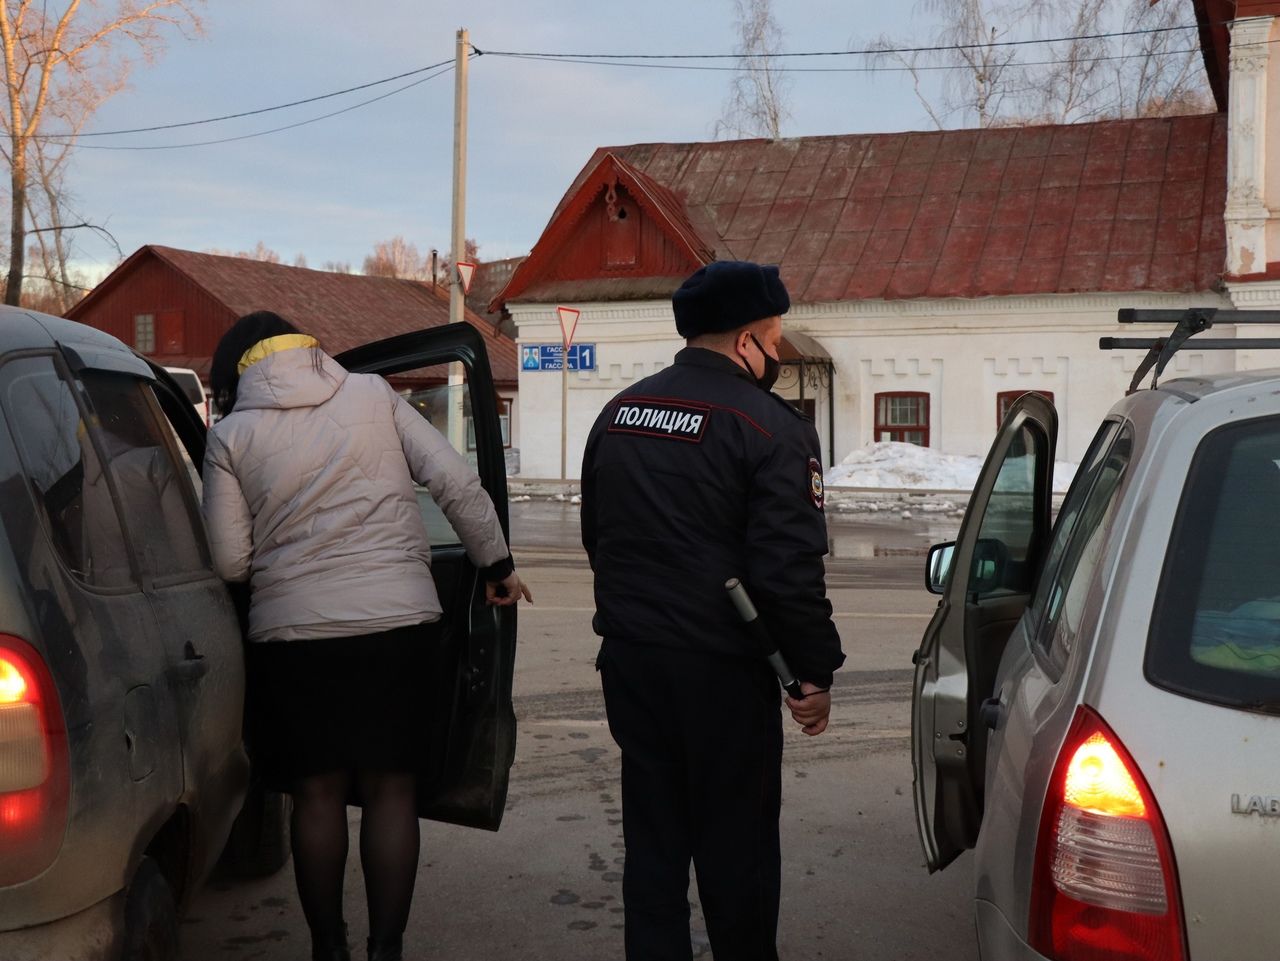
[891, 464]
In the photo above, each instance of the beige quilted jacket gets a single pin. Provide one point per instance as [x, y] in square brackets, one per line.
[308, 494]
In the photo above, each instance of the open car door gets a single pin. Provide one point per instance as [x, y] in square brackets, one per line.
[468, 748]
[985, 579]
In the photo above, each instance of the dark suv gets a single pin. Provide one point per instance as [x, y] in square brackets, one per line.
[122, 762]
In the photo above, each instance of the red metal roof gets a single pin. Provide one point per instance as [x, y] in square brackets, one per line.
[1121, 205]
[341, 310]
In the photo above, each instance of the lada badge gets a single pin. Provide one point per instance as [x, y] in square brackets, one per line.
[1268, 806]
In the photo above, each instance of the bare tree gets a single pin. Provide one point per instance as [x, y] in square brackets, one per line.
[1163, 76]
[1115, 61]
[68, 51]
[444, 265]
[51, 219]
[260, 251]
[400, 258]
[397, 257]
[46, 204]
[756, 106]
[336, 266]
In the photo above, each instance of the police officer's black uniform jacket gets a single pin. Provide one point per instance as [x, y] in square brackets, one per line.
[692, 476]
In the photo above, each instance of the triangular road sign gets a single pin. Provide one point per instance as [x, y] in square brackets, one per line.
[568, 323]
[465, 272]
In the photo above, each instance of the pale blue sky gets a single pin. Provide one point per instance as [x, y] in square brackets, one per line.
[332, 189]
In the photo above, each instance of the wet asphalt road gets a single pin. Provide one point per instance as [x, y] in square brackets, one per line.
[547, 886]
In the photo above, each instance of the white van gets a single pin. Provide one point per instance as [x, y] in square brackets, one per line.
[189, 381]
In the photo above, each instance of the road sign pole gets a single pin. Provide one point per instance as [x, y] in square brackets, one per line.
[568, 324]
[564, 415]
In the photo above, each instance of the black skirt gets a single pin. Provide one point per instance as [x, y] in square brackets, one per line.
[338, 703]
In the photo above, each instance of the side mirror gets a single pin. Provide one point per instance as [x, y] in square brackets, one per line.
[938, 566]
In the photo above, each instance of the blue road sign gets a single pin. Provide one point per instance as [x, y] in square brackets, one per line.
[582, 357]
[551, 356]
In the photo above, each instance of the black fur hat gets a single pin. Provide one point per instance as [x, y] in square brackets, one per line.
[728, 294]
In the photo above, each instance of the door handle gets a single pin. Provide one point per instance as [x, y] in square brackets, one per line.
[193, 665]
[991, 712]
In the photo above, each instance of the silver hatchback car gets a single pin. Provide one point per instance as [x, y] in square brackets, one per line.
[1097, 700]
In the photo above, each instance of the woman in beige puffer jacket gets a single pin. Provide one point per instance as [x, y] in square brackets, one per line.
[309, 495]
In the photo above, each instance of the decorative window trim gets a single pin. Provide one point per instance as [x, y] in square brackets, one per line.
[900, 432]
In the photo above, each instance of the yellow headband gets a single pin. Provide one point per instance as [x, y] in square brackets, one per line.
[265, 348]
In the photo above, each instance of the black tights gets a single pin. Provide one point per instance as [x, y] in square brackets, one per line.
[389, 843]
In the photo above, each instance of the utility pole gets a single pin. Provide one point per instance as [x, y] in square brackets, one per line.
[459, 174]
[457, 376]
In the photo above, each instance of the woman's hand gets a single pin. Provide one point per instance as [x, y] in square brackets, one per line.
[507, 591]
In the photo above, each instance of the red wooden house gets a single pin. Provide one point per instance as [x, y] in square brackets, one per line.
[173, 305]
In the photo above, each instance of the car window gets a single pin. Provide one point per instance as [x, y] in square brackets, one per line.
[1215, 629]
[1002, 557]
[1083, 525]
[160, 509]
[442, 396]
[64, 472]
[189, 383]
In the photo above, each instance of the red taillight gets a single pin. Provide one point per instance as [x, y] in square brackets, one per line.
[1105, 886]
[34, 778]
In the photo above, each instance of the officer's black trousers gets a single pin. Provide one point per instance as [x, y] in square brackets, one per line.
[701, 740]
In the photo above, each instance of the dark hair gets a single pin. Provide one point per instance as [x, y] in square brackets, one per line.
[224, 377]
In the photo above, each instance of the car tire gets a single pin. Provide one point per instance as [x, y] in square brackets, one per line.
[259, 842]
[150, 916]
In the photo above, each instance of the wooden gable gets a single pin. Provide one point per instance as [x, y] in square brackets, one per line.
[619, 225]
[614, 237]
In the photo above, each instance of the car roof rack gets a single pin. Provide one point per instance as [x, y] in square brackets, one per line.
[1187, 323]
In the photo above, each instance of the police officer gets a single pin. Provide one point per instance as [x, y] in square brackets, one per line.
[691, 476]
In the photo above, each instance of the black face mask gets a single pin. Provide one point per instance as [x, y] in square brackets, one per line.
[772, 367]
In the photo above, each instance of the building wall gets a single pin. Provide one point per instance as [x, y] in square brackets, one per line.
[153, 287]
[961, 352]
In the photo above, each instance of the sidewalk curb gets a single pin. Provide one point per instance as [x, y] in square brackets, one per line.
[839, 500]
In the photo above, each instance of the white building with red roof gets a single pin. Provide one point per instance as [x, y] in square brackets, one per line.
[934, 276]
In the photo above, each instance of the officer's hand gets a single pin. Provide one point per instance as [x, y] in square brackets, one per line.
[812, 711]
[507, 591]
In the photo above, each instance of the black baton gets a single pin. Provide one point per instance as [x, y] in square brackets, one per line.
[751, 617]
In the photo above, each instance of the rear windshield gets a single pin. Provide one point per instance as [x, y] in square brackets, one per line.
[1215, 631]
[190, 385]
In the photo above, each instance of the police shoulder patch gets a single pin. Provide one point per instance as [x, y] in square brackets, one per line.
[669, 418]
[817, 492]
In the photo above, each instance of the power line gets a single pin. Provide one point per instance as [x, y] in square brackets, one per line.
[611, 59]
[876, 69]
[247, 113]
[939, 48]
[263, 133]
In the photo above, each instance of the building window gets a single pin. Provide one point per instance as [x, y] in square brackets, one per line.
[903, 416]
[504, 419]
[144, 333]
[1005, 399]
